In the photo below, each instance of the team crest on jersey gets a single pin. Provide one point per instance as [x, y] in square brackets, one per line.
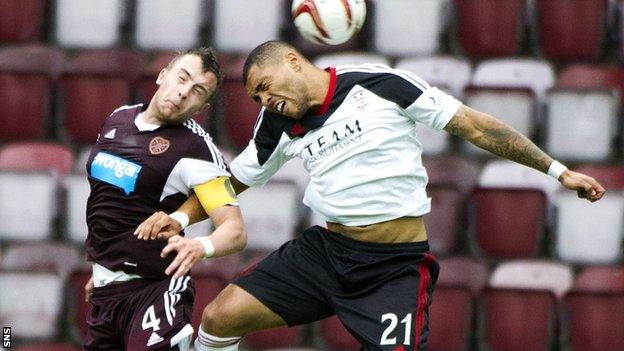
[361, 103]
[158, 145]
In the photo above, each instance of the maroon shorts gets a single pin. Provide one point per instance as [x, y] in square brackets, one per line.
[141, 315]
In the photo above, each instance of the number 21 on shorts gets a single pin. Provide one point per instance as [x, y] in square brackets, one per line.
[394, 321]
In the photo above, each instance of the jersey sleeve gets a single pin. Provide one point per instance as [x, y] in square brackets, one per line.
[421, 102]
[264, 155]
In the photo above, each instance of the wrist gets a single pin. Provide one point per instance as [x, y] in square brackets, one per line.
[556, 169]
[180, 217]
[209, 248]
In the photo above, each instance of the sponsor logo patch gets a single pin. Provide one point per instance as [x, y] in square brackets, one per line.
[116, 171]
[158, 145]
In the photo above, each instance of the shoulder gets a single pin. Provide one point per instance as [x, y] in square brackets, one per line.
[201, 145]
[124, 114]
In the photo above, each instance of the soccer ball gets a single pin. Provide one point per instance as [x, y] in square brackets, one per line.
[328, 22]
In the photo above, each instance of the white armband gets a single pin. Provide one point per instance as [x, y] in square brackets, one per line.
[181, 217]
[556, 169]
[207, 244]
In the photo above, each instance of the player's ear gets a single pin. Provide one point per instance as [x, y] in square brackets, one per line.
[202, 109]
[161, 76]
[293, 60]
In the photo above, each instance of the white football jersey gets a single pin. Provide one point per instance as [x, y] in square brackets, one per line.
[361, 148]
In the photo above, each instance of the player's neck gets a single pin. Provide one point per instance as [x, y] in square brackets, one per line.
[318, 84]
[150, 115]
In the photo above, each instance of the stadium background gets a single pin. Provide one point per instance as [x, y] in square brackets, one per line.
[524, 265]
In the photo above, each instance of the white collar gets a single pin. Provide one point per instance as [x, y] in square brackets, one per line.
[143, 126]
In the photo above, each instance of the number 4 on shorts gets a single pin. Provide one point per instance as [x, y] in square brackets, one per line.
[150, 320]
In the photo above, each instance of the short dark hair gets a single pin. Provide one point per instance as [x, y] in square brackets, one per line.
[266, 52]
[208, 56]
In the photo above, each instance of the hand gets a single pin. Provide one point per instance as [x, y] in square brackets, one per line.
[586, 187]
[189, 252]
[158, 226]
[88, 288]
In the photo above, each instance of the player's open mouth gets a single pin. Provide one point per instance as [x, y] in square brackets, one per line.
[280, 107]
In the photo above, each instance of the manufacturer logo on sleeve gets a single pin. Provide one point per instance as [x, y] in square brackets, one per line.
[116, 171]
[158, 145]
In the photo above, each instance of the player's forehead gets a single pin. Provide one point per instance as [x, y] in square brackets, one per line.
[192, 66]
[259, 74]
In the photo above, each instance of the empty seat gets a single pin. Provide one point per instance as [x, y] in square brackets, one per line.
[594, 321]
[36, 157]
[31, 304]
[517, 319]
[275, 337]
[536, 75]
[533, 274]
[610, 176]
[571, 31]
[77, 190]
[596, 241]
[238, 28]
[443, 222]
[93, 86]
[515, 107]
[21, 20]
[507, 174]
[576, 119]
[395, 36]
[448, 73]
[600, 279]
[240, 113]
[88, 24]
[336, 337]
[450, 318]
[60, 258]
[350, 58]
[584, 76]
[489, 28]
[268, 227]
[147, 82]
[502, 229]
[26, 76]
[77, 307]
[168, 24]
[463, 271]
[453, 171]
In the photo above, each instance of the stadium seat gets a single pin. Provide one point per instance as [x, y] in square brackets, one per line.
[350, 58]
[576, 119]
[593, 321]
[571, 31]
[268, 227]
[77, 307]
[26, 84]
[93, 86]
[453, 171]
[88, 24]
[275, 337]
[463, 271]
[589, 242]
[207, 287]
[52, 346]
[533, 274]
[240, 112]
[507, 174]
[21, 20]
[336, 337]
[449, 73]
[450, 319]
[516, 107]
[395, 36]
[81, 159]
[610, 176]
[169, 24]
[36, 156]
[536, 75]
[489, 28]
[250, 29]
[60, 258]
[77, 190]
[584, 76]
[500, 229]
[294, 171]
[444, 220]
[600, 279]
[31, 303]
[517, 319]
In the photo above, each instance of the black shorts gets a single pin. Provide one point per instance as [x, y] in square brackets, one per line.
[380, 292]
[141, 315]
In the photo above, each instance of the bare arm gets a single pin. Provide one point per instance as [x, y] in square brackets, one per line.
[501, 139]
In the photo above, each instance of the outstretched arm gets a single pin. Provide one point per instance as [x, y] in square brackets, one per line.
[501, 139]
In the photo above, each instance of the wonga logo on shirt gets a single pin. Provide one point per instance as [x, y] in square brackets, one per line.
[116, 171]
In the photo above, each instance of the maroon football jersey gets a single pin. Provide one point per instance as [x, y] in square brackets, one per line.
[135, 170]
